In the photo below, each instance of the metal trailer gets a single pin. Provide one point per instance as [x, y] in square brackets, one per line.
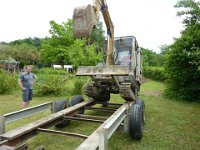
[121, 118]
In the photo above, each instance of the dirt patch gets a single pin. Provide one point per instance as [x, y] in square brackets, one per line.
[153, 93]
[144, 79]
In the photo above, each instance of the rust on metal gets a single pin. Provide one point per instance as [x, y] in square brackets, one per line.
[83, 119]
[62, 133]
[101, 109]
[92, 117]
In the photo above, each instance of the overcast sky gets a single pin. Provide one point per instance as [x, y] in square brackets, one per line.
[152, 22]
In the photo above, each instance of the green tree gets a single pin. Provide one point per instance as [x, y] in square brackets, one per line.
[97, 36]
[5, 51]
[62, 48]
[190, 10]
[29, 41]
[151, 58]
[25, 53]
[183, 59]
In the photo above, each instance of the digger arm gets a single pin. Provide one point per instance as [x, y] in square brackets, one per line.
[85, 18]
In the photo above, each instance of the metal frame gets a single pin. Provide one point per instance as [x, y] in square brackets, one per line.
[11, 117]
[97, 140]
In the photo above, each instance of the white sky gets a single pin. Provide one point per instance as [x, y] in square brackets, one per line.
[152, 22]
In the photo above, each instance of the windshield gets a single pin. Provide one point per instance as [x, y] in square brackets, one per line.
[123, 49]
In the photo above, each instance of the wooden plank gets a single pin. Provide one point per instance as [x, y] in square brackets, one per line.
[32, 126]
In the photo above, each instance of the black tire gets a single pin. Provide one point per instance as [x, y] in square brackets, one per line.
[136, 121]
[58, 106]
[141, 102]
[75, 100]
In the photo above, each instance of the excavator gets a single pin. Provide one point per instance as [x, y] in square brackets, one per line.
[122, 71]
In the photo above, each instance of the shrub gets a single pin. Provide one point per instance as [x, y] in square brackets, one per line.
[8, 82]
[50, 71]
[49, 85]
[182, 66]
[155, 73]
[78, 85]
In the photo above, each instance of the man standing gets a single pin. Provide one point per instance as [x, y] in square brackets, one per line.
[26, 81]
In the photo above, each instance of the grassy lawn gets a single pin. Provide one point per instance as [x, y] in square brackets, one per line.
[169, 125]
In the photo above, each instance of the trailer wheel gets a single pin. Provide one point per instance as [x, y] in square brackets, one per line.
[75, 100]
[58, 106]
[141, 102]
[137, 121]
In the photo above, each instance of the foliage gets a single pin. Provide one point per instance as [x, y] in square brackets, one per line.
[62, 48]
[155, 73]
[48, 71]
[25, 53]
[164, 49]
[49, 85]
[183, 61]
[190, 9]
[84, 55]
[5, 51]
[35, 42]
[97, 36]
[78, 85]
[8, 82]
[150, 58]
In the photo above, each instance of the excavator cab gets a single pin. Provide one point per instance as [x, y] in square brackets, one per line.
[126, 52]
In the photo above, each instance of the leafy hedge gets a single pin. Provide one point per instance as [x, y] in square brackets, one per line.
[8, 82]
[183, 66]
[155, 73]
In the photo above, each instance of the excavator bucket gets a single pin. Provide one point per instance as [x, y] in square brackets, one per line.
[84, 21]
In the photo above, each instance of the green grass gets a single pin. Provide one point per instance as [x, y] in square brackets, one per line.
[169, 125]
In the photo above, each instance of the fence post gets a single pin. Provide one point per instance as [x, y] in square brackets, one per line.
[2, 125]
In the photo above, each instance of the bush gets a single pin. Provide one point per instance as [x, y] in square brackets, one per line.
[155, 73]
[50, 85]
[50, 71]
[78, 85]
[182, 66]
[8, 82]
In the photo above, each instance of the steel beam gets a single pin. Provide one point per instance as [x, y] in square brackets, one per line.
[83, 119]
[92, 117]
[63, 133]
[99, 138]
[15, 135]
[10, 117]
[101, 109]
